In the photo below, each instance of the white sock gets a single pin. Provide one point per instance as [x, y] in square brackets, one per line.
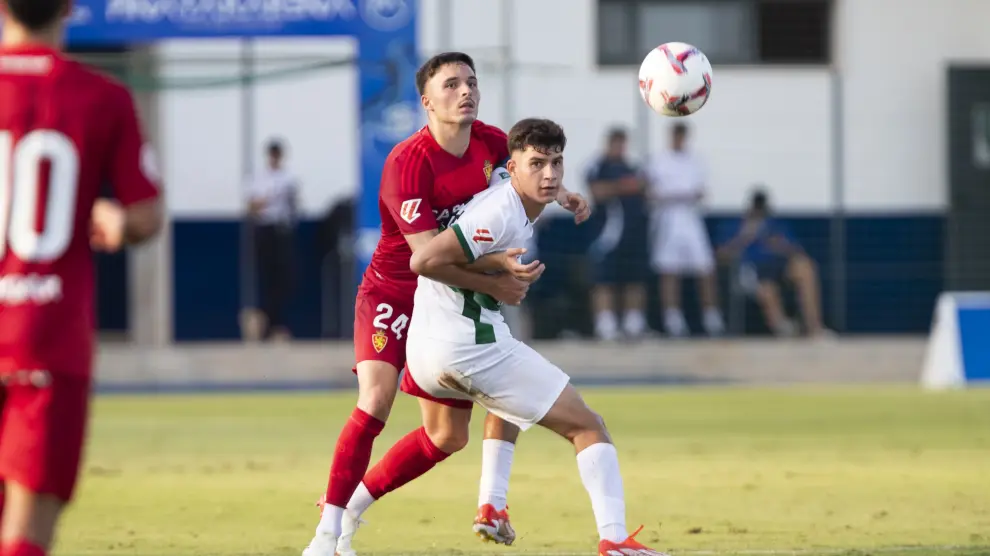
[360, 501]
[634, 322]
[496, 466]
[714, 324]
[330, 520]
[599, 468]
[606, 325]
[673, 320]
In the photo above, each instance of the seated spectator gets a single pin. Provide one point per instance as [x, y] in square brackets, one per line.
[768, 255]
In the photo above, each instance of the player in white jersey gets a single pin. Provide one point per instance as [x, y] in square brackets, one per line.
[459, 347]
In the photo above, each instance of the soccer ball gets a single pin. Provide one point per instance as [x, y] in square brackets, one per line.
[675, 79]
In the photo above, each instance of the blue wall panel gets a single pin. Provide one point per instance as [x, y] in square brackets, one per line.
[893, 265]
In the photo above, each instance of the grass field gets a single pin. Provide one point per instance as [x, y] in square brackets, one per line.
[708, 471]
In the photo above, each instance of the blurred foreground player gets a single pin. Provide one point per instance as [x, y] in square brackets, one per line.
[64, 131]
[460, 348]
[426, 181]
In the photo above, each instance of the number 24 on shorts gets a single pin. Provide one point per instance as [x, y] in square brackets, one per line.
[398, 326]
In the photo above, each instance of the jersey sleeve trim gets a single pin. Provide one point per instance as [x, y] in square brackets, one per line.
[464, 243]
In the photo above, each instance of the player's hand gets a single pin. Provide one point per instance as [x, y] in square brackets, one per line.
[526, 272]
[107, 226]
[509, 289]
[576, 203]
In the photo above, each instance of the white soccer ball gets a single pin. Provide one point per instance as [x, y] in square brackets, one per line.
[675, 79]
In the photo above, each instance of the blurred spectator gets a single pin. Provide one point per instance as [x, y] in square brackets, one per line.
[334, 244]
[768, 256]
[681, 246]
[272, 208]
[620, 252]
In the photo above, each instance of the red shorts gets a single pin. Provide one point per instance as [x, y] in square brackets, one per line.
[380, 326]
[43, 430]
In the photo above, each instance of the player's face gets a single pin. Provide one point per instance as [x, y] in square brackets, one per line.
[538, 173]
[452, 95]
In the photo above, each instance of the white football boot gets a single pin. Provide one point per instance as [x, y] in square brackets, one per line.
[323, 544]
[348, 526]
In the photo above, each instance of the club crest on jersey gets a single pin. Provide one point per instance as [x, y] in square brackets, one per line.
[488, 170]
[409, 211]
[483, 235]
[378, 340]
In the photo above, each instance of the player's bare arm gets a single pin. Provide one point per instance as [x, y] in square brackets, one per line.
[442, 252]
[508, 261]
[503, 287]
[503, 261]
[576, 203]
[114, 226]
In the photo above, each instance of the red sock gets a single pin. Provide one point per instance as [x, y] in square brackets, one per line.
[22, 548]
[412, 456]
[351, 459]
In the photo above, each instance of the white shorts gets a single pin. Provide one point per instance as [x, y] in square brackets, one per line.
[681, 249]
[508, 378]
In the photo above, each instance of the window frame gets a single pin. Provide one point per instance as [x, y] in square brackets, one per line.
[633, 58]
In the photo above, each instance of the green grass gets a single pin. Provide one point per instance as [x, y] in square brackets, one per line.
[708, 471]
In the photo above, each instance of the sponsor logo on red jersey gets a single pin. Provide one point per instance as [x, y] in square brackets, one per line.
[409, 211]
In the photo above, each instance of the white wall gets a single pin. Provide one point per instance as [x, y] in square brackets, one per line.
[769, 125]
[893, 55]
[202, 131]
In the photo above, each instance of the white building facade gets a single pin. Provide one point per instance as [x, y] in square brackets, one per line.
[858, 127]
[880, 102]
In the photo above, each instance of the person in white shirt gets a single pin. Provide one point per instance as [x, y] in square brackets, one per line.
[680, 243]
[272, 207]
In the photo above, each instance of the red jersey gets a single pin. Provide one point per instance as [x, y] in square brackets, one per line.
[65, 130]
[423, 187]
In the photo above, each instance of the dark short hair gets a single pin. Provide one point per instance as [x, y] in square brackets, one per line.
[759, 200]
[36, 14]
[680, 128]
[617, 134]
[543, 135]
[433, 65]
[275, 147]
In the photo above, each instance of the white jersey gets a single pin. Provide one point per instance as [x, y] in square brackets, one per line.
[459, 345]
[493, 221]
[680, 240]
[678, 173]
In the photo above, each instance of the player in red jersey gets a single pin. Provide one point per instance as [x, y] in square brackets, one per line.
[425, 182]
[64, 132]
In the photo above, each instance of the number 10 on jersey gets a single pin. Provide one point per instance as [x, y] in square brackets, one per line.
[20, 189]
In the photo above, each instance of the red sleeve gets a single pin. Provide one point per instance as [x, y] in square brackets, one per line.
[133, 166]
[407, 185]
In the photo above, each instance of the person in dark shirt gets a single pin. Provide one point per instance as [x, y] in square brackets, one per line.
[620, 251]
[768, 253]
